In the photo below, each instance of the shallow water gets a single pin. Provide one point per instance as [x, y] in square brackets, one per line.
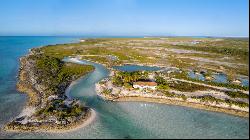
[193, 75]
[134, 119]
[130, 68]
[244, 81]
[11, 49]
[218, 77]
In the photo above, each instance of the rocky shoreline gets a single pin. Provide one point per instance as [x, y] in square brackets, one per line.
[82, 121]
[30, 84]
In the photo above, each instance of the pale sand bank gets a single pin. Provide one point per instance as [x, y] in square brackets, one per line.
[182, 103]
[83, 122]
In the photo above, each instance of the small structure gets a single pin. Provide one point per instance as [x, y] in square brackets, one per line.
[145, 85]
[236, 82]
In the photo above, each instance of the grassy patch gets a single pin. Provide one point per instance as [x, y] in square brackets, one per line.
[237, 94]
[209, 98]
[53, 72]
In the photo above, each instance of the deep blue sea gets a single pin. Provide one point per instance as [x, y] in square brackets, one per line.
[113, 120]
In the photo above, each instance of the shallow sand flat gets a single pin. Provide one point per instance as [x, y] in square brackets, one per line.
[181, 103]
[234, 110]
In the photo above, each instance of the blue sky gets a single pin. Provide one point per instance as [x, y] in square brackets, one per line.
[125, 17]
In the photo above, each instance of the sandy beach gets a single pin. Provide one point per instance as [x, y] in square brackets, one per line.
[182, 103]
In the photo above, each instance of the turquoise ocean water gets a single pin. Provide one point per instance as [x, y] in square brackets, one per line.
[113, 120]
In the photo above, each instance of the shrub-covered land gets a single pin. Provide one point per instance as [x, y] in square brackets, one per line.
[237, 94]
[45, 79]
[61, 111]
[231, 47]
[184, 75]
[178, 85]
[158, 51]
[165, 85]
[54, 73]
[209, 98]
[127, 78]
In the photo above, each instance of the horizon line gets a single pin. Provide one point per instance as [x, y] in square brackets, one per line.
[205, 36]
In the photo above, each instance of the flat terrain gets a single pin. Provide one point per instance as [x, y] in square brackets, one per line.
[220, 66]
[227, 55]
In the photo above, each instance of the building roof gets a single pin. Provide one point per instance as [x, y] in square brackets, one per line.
[140, 83]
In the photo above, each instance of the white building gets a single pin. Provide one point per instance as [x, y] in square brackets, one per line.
[145, 85]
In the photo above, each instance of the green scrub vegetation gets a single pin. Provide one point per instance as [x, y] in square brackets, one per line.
[53, 72]
[127, 78]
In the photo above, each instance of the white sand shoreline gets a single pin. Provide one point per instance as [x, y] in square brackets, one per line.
[180, 103]
[82, 124]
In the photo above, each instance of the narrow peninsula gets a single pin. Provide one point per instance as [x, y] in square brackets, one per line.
[45, 78]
